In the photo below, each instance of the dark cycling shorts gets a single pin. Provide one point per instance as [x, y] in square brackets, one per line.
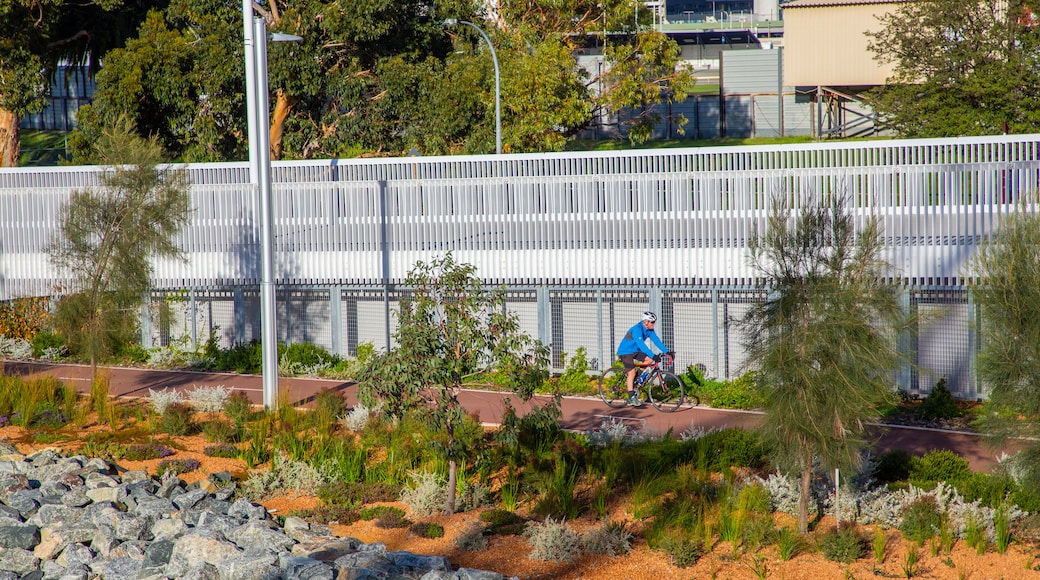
[629, 360]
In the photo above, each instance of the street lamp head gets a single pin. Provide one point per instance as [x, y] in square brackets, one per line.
[450, 22]
[282, 37]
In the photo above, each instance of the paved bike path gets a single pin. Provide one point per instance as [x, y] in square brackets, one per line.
[579, 413]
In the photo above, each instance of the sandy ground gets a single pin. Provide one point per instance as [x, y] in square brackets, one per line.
[509, 555]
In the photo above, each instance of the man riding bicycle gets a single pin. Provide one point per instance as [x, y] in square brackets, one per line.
[633, 352]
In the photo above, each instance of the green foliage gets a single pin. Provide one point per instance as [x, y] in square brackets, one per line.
[472, 539]
[1002, 527]
[44, 341]
[226, 450]
[683, 549]
[427, 530]
[788, 543]
[610, 539]
[893, 466]
[826, 335]
[176, 467]
[449, 328]
[1007, 291]
[240, 358]
[961, 68]
[574, 380]
[941, 465]
[740, 393]
[921, 519]
[845, 544]
[178, 419]
[498, 518]
[221, 431]
[719, 450]
[552, 540]
[386, 516]
[238, 408]
[939, 404]
[146, 451]
[108, 237]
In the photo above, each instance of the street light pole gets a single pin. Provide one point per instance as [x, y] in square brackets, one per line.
[259, 127]
[498, 79]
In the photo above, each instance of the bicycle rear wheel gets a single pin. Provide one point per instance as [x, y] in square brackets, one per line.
[666, 392]
[613, 388]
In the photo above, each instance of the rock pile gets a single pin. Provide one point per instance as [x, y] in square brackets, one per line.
[76, 518]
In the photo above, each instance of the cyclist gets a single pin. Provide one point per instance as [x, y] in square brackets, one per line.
[634, 352]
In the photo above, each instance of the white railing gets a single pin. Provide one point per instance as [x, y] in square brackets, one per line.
[675, 217]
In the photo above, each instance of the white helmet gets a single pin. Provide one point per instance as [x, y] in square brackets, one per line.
[649, 316]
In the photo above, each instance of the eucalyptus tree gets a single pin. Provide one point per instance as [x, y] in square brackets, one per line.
[36, 35]
[961, 68]
[1005, 282]
[450, 328]
[107, 237]
[824, 341]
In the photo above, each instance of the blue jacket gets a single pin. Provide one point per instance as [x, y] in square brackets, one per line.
[635, 341]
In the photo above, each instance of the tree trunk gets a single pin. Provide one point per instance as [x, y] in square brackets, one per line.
[10, 148]
[282, 107]
[803, 500]
[450, 507]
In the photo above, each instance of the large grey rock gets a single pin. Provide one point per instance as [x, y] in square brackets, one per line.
[256, 534]
[254, 565]
[243, 508]
[168, 529]
[18, 560]
[301, 568]
[16, 534]
[188, 499]
[75, 554]
[204, 546]
[413, 563]
[154, 506]
[116, 569]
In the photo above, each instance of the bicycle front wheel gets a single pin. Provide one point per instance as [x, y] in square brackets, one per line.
[666, 392]
[613, 388]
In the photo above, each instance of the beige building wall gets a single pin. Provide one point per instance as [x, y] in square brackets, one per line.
[827, 45]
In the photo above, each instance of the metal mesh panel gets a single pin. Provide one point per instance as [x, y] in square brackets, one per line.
[944, 341]
[304, 317]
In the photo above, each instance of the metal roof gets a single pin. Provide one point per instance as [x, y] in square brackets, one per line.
[823, 3]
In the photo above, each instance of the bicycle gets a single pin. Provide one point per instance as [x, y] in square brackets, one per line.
[665, 391]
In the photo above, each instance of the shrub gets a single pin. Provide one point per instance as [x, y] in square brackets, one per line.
[502, 522]
[392, 519]
[426, 495]
[176, 466]
[844, 544]
[921, 519]
[177, 419]
[225, 450]
[939, 404]
[221, 431]
[719, 450]
[329, 405]
[472, 539]
[356, 419]
[209, 399]
[146, 451]
[45, 342]
[374, 512]
[892, 466]
[943, 465]
[683, 550]
[552, 540]
[304, 358]
[739, 393]
[238, 407]
[611, 539]
[328, 515]
[788, 543]
[428, 530]
[574, 379]
[159, 400]
[284, 475]
[240, 358]
[343, 493]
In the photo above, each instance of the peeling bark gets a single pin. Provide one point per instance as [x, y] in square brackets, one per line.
[10, 148]
[282, 107]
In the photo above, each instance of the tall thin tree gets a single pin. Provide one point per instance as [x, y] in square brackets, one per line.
[824, 340]
[108, 236]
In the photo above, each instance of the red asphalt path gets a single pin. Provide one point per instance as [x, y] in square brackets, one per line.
[579, 413]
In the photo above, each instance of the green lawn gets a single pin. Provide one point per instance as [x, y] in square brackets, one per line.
[42, 148]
